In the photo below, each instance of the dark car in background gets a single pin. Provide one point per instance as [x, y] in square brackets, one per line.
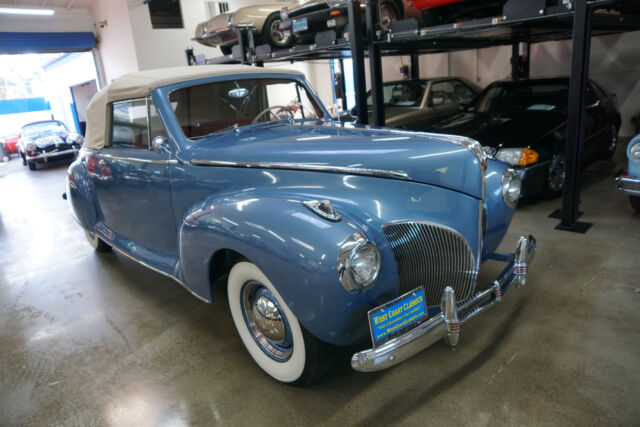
[419, 104]
[305, 20]
[523, 123]
[47, 140]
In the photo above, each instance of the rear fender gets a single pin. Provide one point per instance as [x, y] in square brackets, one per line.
[81, 195]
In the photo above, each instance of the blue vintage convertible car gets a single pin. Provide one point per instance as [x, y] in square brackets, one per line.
[328, 234]
[629, 181]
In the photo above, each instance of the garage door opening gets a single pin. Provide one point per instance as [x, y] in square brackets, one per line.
[45, 86]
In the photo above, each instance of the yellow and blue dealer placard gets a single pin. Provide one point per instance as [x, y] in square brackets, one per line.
[397, 316]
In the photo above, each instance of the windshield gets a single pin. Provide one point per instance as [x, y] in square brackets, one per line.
[522, 96]
[402, 94]
[44, 127]
[213, 107]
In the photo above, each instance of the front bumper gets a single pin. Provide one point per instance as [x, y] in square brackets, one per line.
[454, 314]
[628, 184]
[54, 154]
[220, 37]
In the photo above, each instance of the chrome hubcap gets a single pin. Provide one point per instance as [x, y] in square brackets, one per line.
[268, 319]
[266, 322]
[277, 34]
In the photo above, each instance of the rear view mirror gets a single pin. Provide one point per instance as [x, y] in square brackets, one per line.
[238, 93]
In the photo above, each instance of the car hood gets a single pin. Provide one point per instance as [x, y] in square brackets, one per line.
[440, 160]
[47, 139]
[503, 130]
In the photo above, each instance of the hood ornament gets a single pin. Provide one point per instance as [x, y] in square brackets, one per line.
[324, 209]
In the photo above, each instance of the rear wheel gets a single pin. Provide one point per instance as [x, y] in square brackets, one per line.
[554, 184]
[635, 202]
[274, 35]
[96, 243]
[389, 13]
[270, 331]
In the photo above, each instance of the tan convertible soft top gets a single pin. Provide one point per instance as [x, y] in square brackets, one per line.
[141, 84]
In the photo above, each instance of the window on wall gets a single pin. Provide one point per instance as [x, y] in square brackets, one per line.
[223, 7]
[165, 14]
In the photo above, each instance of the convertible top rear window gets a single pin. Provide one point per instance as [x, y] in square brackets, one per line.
[213, 107]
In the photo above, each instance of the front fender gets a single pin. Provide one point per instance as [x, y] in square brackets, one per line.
[499, 215]
[295, 248]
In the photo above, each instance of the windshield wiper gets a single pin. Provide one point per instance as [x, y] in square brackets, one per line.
[219, 131]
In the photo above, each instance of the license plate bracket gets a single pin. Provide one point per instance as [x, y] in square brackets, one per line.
[397, 317]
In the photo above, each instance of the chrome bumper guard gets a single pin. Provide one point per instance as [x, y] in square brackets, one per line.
[628, 184]
[454, 314]
[47, 156]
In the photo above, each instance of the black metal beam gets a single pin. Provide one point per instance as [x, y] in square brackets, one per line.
[576, 117]
[515, 60]
[356, 30]
[415, 66]
[375, 65]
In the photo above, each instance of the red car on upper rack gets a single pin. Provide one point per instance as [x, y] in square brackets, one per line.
[436, 12]
[305, 20]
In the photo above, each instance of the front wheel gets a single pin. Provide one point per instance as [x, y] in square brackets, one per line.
[612, 142]
[554, 184]
[32, 165]
[388, 13]
[96, 243]
[270, 331]
[635, 202]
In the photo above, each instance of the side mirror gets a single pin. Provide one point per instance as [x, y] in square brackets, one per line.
[159, 144]
[435, 101]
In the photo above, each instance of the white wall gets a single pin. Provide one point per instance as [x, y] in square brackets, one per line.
[166, 47]
[116, 43]
[10, 124]
[59, 79]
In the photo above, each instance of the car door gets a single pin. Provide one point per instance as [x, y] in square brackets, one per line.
[132, 180]
[594, 129]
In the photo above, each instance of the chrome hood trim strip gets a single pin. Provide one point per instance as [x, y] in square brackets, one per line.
[306, 167]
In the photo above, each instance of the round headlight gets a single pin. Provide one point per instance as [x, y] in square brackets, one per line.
[31, 146]
[634, 152]
[75, 138]
[511, 186]
[358, 263]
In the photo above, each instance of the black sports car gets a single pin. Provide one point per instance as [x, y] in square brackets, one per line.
[45, 140]
[523, 123]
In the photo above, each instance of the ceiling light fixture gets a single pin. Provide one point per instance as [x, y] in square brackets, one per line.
[23, 11]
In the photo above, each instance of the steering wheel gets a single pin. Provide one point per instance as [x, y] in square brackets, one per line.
[268, 110]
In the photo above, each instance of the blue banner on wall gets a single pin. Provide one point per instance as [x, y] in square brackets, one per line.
[46, 42]
[23, 105]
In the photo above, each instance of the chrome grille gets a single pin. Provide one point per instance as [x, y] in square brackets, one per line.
[432, 256]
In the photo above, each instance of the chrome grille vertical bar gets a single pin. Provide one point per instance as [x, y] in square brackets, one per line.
[432, 256]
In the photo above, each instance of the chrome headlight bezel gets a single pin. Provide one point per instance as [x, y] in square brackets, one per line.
[511, 187]
[353, 246]
[284, 13]
[30, 147]
[634, 152]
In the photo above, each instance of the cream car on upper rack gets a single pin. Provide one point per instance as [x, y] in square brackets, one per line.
[220, 31]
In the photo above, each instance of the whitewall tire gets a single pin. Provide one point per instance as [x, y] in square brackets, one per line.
[96, 243]
[270, 331]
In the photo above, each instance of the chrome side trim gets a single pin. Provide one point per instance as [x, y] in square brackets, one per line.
[136, 159]
[305, 167]
[628, 185]
[133, 258]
